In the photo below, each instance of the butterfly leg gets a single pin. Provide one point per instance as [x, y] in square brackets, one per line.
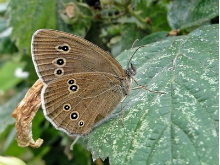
[144, 87]
[121, 113]
[122, 116]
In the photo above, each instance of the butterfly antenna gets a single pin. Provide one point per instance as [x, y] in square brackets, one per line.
[129, 61]
[130, 52]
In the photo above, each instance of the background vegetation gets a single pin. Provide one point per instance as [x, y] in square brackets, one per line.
[180, 127]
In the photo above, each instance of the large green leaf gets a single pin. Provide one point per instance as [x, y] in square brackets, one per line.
[6, 110]
[185, 13]
[29, 16]
[179, 127]
[153, 38]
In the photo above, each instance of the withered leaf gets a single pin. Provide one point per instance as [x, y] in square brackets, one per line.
[24, 114]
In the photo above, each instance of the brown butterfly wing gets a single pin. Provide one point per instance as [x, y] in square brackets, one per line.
[57, 53]
[93, 97]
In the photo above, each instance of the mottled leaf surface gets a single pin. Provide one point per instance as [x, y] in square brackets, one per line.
[185, 13]
[180, 127]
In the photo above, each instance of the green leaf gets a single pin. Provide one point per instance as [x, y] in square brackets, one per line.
[6, 46]
[184, 14]
[130, 33]
[81, 154]
[156, 12]
[29, 16]
[3, 24]
[179, 127]
[7, 75]
[6, 110]
[153, 38]
[80, 23]
[61, 25]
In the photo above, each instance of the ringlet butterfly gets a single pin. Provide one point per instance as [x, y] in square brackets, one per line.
[82, 83]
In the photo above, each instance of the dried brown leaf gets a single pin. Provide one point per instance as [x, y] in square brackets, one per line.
[24, 114]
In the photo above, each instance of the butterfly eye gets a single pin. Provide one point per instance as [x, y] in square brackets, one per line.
[73, 88]
[74, 115]
[66, 107]
[81, 123]
[71, 81]
[59, 72]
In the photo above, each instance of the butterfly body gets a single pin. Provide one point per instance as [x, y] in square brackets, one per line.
[82, 83]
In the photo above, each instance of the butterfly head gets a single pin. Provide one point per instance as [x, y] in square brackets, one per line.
[131, 71]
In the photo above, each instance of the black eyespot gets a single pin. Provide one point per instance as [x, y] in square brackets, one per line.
[64, 48]
[59, 71]
[81, 123]
[71, 82]
[66, 107]
[60, 61]
[73, 87]
[74, 115]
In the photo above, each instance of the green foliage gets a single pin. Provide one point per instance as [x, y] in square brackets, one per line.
[29, 16]
[6, 45]
[9, 80]
[185, 14]
[180, 127]
[7, 109]
[154, 37]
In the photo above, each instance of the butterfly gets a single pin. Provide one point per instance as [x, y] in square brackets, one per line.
[83, 84]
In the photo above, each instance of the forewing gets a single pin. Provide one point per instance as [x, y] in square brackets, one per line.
[56, 54]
